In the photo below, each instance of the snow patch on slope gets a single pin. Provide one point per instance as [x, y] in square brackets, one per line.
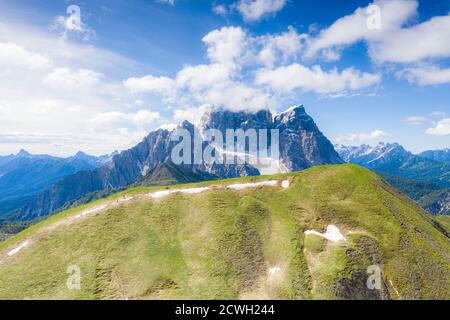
[18, 248]
[164, 193]
[333, 234]
[236, 186]
[241, 186]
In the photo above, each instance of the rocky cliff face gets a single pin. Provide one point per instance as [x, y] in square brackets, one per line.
[437, 202]
[301, 144]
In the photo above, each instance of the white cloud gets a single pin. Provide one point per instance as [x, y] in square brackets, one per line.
[50, 86]
[428, 75]
[423, 41]
[225, 48]
[201, 76]
[130, 127]
[233, 57]
[65, 78]
[73, 24]
[439, 114]
[149, 83]
[114, 119]
[12, 54]
[352, 28]
[254, 10]
[415, 120]
[296, 76]
[280, 47]
[398, 41]
[442, 128]
[392, 42]
[250, 10]
[237, 97]
[225, 45]
[362, 137]
[221, 10]
[217, 83]
[46, 106]
[192, 115]
[170, 2]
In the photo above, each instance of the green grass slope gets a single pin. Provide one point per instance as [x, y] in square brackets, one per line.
[238, 244]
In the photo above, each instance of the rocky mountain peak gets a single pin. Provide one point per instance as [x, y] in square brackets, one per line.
[23, 153]
[292, 112]
[367, 155]
[222, 120]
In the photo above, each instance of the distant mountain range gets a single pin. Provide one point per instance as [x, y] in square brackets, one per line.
[302, 146]
[24, 175]
[425, 177]
[442, 155]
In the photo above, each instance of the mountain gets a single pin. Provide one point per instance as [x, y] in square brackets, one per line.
[437, 202]
[5, 159]
[92, 160]
[442, 155]
[24, 175]
[167, 173]
[415, 175]
[415, 189]
[321, 233]
[302, 145]
[382, 154]
[392, 158]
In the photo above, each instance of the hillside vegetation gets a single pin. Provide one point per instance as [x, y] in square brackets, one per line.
[230, 244]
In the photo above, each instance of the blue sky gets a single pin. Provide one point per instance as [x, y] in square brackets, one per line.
[129, 67]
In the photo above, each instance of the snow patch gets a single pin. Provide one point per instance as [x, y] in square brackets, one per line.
[145, 170]
[333, 234]
[160, 194]
[90, 211]
[94, 210]
[285, 184]
[265, 165]
[236, 186]
[164, 193]
[240, 186]
[125, 199]
[18, 248]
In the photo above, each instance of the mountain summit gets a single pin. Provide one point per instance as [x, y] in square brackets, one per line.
[367, 156]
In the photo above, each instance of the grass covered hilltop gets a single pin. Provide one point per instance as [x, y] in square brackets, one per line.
[216, 242]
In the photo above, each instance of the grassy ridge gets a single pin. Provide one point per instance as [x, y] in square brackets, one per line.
[226, 244]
